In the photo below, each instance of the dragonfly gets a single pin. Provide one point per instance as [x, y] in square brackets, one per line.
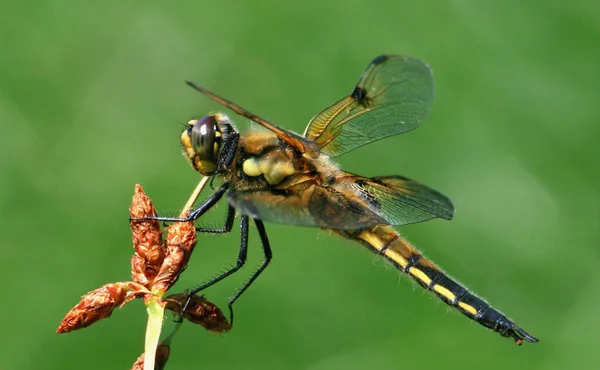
[275, 175]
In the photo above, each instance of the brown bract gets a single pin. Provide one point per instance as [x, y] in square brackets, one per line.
[99, 304]
[147, 240]
[180, 242]
[199, 311]
[162, 356]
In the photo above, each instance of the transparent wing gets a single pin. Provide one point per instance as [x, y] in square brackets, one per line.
[314, 206]
[394, 95]
[399, 200]
[293, 139]
[351, 202]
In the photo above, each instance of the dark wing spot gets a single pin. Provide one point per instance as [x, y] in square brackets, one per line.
[380, 59]
[360, 95]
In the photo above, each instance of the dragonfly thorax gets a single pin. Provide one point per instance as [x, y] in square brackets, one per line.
[265, 156]
[275, 168]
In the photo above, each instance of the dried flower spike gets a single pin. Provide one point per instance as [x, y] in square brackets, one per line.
[160, 360]
[199, 311]
[99, 304]
[180, 242]
[147, 239]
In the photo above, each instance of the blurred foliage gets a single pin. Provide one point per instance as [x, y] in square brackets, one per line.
[91, 101]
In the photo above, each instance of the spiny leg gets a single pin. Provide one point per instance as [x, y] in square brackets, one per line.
[195, 214]
[241, 260]
[268, 255]
[242, 255]
[221, 230]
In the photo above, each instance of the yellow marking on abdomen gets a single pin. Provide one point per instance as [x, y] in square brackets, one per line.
[444, 292]
[470, 309]
[420, 275]
[373, 240]
[396, 257]
[379, 242]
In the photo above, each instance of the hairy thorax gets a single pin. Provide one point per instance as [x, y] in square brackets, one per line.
[264, 161]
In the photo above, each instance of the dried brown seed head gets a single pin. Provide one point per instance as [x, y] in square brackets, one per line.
[147, 239]
[99, 304]
[180, 242]
[160, 360]
[199, 311]
[138, 270]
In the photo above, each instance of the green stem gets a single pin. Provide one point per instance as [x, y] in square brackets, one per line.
[156, 312]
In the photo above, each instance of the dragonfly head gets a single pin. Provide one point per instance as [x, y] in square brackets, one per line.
[204, 142]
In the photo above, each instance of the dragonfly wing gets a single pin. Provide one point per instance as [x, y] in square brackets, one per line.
[398, 200]
[291, 138]
[394, 95]
[314, 206]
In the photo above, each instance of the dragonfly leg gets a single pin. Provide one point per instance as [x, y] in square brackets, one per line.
[241, 260]
[268, 255]
[221, 230]
[194, 214]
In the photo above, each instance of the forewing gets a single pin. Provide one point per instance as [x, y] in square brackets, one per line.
[314, 206]
[399, 200]
[394, 95]
[300, 143]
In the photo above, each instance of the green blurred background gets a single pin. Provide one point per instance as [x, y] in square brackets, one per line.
[91, 97]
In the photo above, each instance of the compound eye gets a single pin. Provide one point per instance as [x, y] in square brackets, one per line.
[203, 137]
